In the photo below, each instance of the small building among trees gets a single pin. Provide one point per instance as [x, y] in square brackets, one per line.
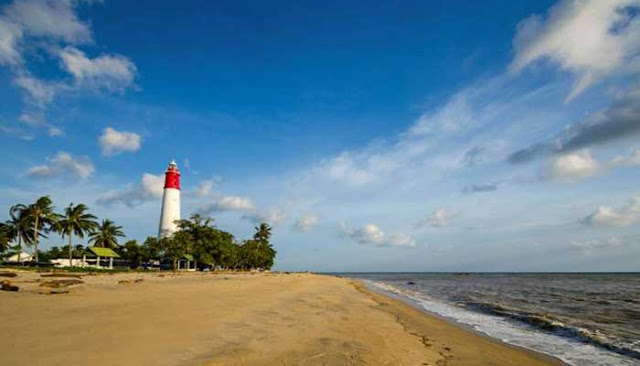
[19, 258]
[99, 257]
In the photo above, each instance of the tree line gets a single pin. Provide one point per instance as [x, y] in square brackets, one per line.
[196, 236]
[29, 223]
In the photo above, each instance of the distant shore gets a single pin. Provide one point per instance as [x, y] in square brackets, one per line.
[229, 319]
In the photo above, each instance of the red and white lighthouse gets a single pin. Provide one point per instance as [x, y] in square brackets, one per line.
[170, 201]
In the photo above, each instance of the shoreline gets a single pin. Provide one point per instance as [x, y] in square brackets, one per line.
[232, 319]
[377, 293]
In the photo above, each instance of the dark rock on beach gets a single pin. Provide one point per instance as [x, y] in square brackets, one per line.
[7, 286]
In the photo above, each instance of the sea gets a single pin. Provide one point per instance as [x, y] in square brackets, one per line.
[580, 318]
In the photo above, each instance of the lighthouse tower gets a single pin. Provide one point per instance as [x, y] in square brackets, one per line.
[170, 201]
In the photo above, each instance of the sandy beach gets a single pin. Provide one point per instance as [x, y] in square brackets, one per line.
[230, 319]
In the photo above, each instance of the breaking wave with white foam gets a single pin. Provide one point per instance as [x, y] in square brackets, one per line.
[560, 341]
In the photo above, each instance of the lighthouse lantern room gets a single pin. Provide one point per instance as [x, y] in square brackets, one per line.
[170, 201]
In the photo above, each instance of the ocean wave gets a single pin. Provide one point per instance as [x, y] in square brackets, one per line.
[538, 332]
[547, 322]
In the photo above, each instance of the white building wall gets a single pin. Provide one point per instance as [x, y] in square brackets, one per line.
[170, 212]
[24, 257]
[64, 262]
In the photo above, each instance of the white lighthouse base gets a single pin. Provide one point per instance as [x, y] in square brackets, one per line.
[170, 212]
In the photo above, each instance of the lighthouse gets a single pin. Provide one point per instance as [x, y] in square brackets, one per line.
[170, 201]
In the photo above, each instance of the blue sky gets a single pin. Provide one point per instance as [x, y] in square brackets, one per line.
[420, 136]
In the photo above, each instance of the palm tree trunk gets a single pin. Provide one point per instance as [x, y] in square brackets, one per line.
[70, 252]
[19, 246]
[35, 237]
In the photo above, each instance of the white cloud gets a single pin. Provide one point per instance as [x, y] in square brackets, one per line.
[591, 38]
[572, 167]
[368, 234]
[618, 121]
[17, 132]
[345, 169]
[436, 141]
[10, 36]
[55, 131]
[29, 26]
[306, 222]
[401, 240]
[271, 216]
[151, 187]
[50, 18]
[244, 205]
[113, 142]
[108, 72]
[454, 116]
[63, 164]
[40, 92]
[440, 217]
[632, 159]
[229, 203]
[371, 234]
[204, 189]
[35, 119]
[606, 216]
[591, 245]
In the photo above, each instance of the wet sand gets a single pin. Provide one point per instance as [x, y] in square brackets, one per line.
[224, 319]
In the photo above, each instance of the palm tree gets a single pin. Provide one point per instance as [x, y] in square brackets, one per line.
[263, 253]
[20, 224]
[263, 233]
[106, 235]
[76, 221]
[7, 235]
[43, 217]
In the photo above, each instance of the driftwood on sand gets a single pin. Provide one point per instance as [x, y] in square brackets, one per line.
[63, 275]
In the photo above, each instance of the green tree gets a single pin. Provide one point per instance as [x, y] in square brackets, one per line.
[199, 237]
[77, 251]
[20, 226]
[7, 235]
[75, 221]
[55, 253]
[175, 247]
[247, 254]
[260, 251]
[106, 235]
[150, 249]
[44, 256]
[228, 254]
[42, 215]
[132, 252]
[209, 245]
[263, 233]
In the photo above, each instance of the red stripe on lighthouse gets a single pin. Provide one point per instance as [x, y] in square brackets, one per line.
[172, 177]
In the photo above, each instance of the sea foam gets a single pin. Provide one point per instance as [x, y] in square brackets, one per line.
[568, 349]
